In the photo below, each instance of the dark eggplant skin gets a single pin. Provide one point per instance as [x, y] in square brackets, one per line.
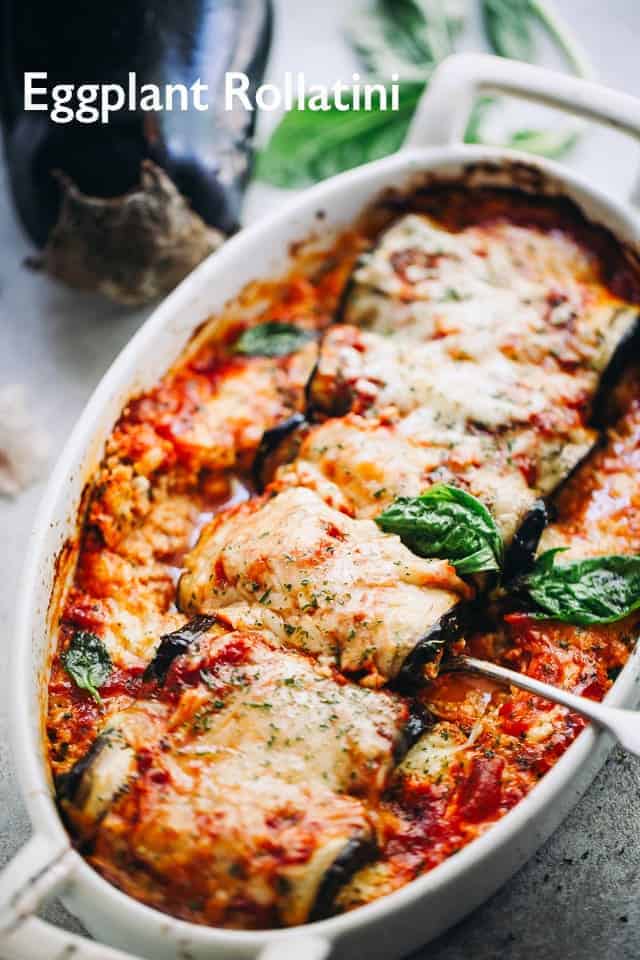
[278, 444]
[68, 784]
[447, 629]
[627, 352]
[206, 154]
[342, 309]
[357, 852]
[521, 553]
[419, 721]
[174, 644]
[86, 793]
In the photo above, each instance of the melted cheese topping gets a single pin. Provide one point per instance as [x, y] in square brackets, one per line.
[537, 294]
[477, 358]
[292, 746]
[360, 466]
[332, 586]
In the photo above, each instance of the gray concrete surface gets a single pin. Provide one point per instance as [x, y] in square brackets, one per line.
[579, 896]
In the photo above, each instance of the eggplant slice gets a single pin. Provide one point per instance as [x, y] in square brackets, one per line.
[418, 722]
[96, 779]
[93, 785]
[521, 553]
[424, 659]
[622, 350]
[357, 852]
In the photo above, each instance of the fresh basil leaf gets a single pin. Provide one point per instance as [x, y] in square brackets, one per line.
[477, 118]
[308, 146]
[409, 37]
[87, 661]
[583, 592]
[543, 143]
[449, 523]
[271, 339]
[508, 25]
[406, 36]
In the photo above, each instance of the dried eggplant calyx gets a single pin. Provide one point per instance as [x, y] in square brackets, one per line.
[132, 248]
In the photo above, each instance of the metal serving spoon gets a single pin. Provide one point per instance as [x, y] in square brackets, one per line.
[623, 725]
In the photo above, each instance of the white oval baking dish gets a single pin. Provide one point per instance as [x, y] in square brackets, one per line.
[397, 924]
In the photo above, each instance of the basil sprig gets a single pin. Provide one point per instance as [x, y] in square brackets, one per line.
[449, 523]
[87, 661]
[410, 38]
[271, 339]
[584, 592]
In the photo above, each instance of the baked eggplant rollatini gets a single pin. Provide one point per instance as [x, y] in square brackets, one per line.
[249, 721]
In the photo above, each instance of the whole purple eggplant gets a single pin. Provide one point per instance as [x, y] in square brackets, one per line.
[129, 207]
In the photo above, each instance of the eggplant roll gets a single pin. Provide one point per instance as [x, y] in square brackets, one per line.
[335, 587]
[429, 774]
[541, 291]
[244, 787]
[360, 465]
[493, 322]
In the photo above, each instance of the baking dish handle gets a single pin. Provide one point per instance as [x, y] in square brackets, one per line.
[40, 869]
[443, 112]
[35, 938]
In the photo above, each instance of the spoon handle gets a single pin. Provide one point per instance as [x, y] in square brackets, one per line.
[623, 725]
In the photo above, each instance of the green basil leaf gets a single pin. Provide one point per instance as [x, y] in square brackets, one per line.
[271, 339]
[408, 37]
[449, 523]
[583, 592]
[508, 26]
[543, 143]
[477, 118]
[308, 146]
[87, 661]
